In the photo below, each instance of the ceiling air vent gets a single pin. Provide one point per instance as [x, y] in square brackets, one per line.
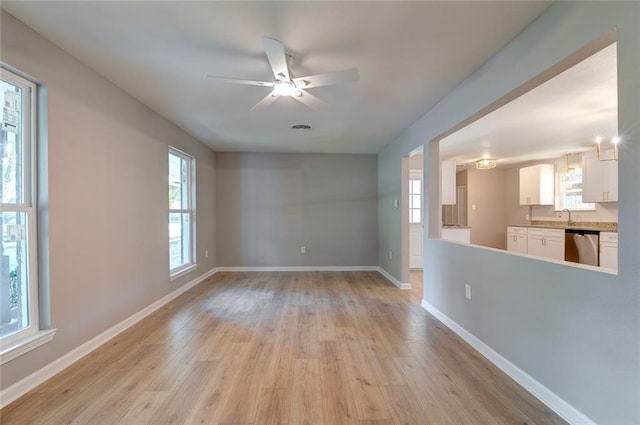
[301, 127]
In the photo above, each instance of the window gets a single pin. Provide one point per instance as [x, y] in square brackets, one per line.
[570, 191]
[19, 324]
[415, 202]
[181, 212]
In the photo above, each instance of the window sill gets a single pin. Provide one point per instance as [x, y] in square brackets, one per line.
[182, 271]
[25, 345]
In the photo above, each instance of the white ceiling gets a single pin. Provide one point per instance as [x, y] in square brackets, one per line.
[409, 55]
[563, 115]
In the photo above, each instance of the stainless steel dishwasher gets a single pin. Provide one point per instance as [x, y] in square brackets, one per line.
[581, 246]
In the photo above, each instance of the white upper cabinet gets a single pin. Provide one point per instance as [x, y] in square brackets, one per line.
[448, 180]
[536, 185]
[599, 179]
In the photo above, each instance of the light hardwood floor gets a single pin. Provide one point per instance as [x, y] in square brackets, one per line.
[415, 278]
[284, 348]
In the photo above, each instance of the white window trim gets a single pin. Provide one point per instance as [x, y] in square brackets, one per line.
[25, 344]
[25, 340]
[557, 207]
[178, 272]
[183, 269]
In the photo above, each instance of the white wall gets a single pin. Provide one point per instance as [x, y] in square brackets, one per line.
[574, 331]
[107, 198]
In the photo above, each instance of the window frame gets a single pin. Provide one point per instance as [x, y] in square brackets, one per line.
[32, 336]
[559, 204]
[190, 265]
[412, 206]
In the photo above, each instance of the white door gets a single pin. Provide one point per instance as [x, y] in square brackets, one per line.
[415, 246]
[415, 220]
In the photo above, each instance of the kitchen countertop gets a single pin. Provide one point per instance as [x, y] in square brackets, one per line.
[602, 227]
[446, 226]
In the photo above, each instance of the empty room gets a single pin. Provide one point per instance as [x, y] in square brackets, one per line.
[320, 212]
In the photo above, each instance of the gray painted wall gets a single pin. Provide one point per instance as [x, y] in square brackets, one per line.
[269, 205]
[575, 331]
[107, 198]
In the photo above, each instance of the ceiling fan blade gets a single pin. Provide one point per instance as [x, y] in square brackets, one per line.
[277, 58]
[268, 100]
[327, 79]
[239, 81]
[311, 101]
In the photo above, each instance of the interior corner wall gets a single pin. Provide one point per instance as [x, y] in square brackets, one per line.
[485, 207]
[574, 331]
[107, 198]
[515, 213]
[269, 205]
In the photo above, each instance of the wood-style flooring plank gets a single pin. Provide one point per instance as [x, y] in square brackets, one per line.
[213, 398]
[144, 408]
[242, 405]
[274, 407]
[306, 397]
[284, 348]
[337, 399]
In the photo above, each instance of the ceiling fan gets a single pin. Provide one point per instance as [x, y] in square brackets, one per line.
[285, 85]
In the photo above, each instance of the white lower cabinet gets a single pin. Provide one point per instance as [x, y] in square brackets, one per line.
[517, 239]
[550, 243]
[547, 243]
[462, 234]
[609, 250]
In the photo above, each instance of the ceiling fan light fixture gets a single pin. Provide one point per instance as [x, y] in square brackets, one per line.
[285, 88]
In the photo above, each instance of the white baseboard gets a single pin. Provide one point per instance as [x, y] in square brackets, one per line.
[25, 385]
[390, 278]
[300, 269]
[542, 393]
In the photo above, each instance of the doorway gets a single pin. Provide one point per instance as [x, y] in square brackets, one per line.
[412, 221]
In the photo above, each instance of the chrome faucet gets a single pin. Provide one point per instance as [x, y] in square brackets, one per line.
[569, 222]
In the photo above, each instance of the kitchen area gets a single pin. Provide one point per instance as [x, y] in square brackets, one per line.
[545, 210]
[539, 176]
[581, 232]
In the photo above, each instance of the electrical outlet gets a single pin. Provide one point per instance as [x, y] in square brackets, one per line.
[467, 291]
[390, 255]
[206, 253]
[303, 249]
[526, 217]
